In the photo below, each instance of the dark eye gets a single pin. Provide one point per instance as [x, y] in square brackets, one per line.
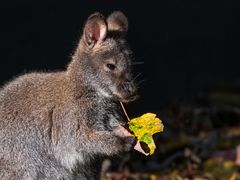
[111, 66]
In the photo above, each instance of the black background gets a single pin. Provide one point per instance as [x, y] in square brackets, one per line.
[188, 47]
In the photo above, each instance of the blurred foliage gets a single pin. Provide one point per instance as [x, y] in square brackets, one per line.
[225, 98]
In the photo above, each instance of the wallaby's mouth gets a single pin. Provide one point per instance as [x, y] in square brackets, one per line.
[129, 98]
[125, 98]
[127, 92]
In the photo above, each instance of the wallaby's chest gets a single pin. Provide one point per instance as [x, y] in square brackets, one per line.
[104, 115]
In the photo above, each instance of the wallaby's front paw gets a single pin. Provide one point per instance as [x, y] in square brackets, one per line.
[127, 140]
[129, 143]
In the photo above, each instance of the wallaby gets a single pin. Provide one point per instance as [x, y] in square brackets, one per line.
[58, 125]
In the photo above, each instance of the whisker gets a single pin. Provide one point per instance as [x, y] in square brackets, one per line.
[137, 63]
[139, 74]
[137, 58]
[140, 82]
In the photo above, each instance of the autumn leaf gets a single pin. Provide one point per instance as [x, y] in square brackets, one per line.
[144, 127]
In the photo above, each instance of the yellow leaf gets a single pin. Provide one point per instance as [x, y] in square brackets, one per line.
[144, 127]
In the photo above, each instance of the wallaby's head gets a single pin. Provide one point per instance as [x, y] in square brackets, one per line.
[103, 58]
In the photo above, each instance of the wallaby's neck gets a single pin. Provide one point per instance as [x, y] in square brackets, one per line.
[78, 77]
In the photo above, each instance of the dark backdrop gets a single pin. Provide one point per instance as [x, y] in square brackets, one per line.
[188, 47]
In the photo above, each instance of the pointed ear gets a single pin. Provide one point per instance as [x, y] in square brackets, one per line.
[95, 30]
[117, 21]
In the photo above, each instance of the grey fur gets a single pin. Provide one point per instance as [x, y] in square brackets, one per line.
[59, 125]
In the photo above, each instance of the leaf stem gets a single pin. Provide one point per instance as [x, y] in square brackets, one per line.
[124, 110]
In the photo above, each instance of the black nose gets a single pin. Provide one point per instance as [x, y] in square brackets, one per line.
[133, 90]
[130, 89]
